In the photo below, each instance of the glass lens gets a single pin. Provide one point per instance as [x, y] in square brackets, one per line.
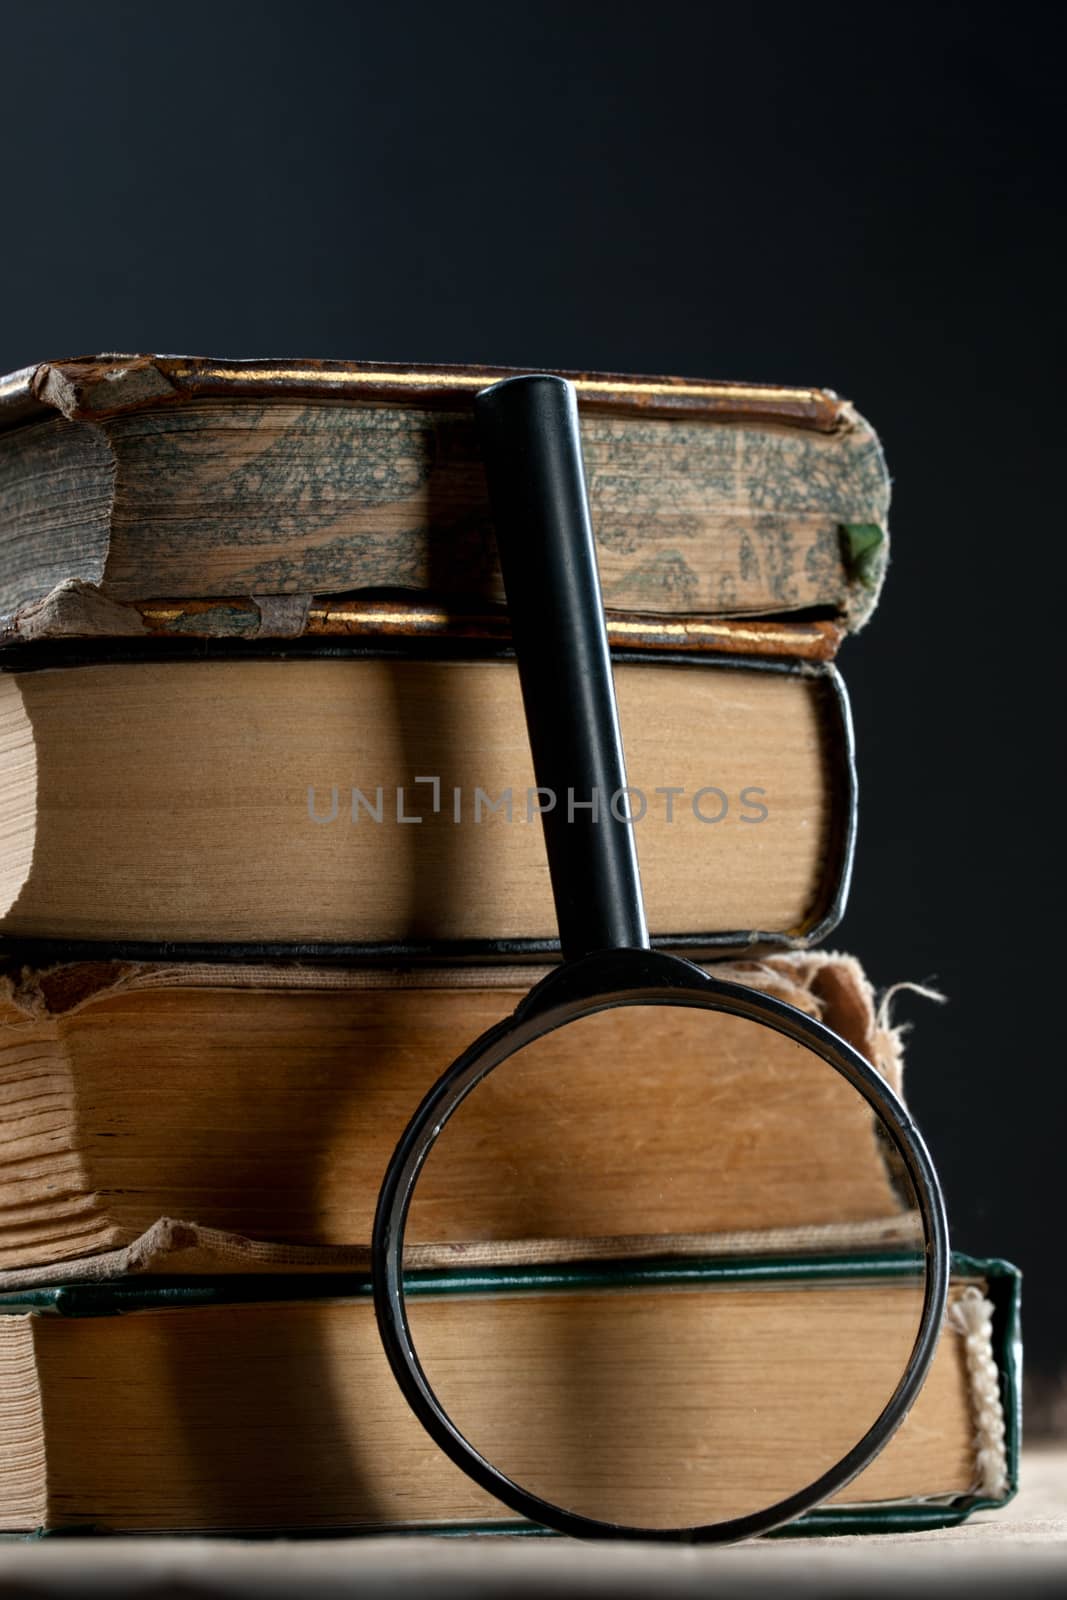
[663, 1267]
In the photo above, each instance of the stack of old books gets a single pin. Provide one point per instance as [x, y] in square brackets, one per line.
[265, 869]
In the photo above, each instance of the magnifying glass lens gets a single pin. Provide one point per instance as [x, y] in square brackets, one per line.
[664, 1267]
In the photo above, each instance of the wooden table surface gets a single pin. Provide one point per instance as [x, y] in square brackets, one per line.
[1021, 1550]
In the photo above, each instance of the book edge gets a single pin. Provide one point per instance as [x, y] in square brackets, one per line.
[1004, 1281]
[85, 388]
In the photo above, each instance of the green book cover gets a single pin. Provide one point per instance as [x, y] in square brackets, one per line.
[1002, 1283]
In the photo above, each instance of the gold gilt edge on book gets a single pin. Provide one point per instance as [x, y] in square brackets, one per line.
[327, 618]
[79, 611]
[92, 388]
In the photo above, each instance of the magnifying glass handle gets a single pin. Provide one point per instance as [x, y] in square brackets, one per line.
[533, 460]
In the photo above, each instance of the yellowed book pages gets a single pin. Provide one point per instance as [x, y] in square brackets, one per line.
[286, 1415]
[266, 1101]
[382, 801]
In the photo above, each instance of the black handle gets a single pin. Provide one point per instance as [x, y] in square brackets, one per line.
[533, 460]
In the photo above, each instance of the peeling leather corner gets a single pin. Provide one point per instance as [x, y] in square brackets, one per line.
[82, 390]
[73, 609]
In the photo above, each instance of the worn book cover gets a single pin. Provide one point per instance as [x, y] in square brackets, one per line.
[156, 495]
[256, 1404]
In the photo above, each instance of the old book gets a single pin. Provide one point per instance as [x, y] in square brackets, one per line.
[265, 1102]
[359, 803]
[267, 1404]
[76, 612]
[126, 480]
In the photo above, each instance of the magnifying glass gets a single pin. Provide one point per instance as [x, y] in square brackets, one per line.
[647, 1110]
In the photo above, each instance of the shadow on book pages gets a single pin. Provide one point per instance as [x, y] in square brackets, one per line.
[760, 1350]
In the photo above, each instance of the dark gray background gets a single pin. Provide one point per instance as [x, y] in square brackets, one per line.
[865, 198]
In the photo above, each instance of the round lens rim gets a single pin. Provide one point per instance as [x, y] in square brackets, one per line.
[564, 997]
